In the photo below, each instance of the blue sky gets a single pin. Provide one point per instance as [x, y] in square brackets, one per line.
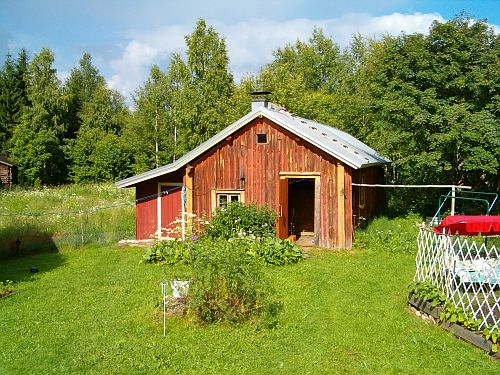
[126, 37]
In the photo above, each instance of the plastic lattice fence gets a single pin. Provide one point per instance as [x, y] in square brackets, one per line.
[466, 269]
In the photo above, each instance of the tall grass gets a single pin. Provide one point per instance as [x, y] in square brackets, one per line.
[389, 236]
[42, 219]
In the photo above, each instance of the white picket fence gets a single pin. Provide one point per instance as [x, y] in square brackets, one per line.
[465, 269]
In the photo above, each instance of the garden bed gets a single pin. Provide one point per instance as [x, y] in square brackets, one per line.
[459, 331]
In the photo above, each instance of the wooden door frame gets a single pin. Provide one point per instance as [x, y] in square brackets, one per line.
[158, 206]
[317, 197]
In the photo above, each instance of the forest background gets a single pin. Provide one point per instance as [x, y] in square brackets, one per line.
[430, 102]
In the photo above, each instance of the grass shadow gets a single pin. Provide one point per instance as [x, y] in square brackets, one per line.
[25, 251]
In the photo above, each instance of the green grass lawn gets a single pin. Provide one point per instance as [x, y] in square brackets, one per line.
[95, 310]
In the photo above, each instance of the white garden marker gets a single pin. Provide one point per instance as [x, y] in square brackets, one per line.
[164, 293]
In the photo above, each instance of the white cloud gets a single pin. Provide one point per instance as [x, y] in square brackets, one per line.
[250, 44]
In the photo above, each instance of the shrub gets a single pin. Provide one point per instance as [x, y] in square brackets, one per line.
[272, 251]
[237, 220]
[169, 252]
[228, 285]
[267, 251]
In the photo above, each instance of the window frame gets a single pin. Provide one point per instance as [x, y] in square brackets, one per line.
[216, 193]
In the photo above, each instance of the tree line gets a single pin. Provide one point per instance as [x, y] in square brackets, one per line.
[430, 102]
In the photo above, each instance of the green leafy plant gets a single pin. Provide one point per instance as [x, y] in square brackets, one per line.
[272, 251]
[458, 315]
[453, 314]
[428, 293]
[6, 288]
[169, 252]
[228, 285]
[239, 220]
[492, 334]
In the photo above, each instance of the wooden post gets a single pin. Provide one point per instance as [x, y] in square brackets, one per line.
[340, 206]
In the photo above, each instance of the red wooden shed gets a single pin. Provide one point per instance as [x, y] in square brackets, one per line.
[302, 169]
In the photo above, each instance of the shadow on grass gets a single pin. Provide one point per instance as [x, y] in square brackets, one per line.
[25, 251]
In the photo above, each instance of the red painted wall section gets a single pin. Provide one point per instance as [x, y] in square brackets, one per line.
[171, 209]
[145, 210]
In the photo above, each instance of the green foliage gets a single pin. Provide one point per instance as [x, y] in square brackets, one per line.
[427, 292]
[150, 131]
[46, 218]
[79, 88]
[36, 142]
[389, 236]
[228, 285]
[454, 314]
[97, 156]
[240, 220]
[267, 251]
[6, 288]
[169, 252]
[272, 251]
[200, 89]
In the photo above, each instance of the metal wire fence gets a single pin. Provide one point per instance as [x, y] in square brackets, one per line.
[465, 269]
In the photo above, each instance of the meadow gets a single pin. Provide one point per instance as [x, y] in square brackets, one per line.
[96, 308]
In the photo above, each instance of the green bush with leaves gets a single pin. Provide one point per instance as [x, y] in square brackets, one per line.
[272, 251]
[267, 251]
[169, 252]
[228, 285]
[427, 292]
[240, 220]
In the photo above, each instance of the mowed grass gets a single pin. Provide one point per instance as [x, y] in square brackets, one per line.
[95, 310]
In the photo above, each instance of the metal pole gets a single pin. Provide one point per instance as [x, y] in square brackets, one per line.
[453, 200]
[164, 293]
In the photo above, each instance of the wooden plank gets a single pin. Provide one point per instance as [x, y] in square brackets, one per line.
[340, 206]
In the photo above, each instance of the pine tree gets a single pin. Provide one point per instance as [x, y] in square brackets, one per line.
[79, 88]
[37, 139]
[13, 96]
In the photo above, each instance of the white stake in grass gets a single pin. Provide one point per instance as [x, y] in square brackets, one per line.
[164, 293]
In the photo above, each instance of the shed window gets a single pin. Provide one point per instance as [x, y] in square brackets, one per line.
[223, 199]
[261, 138]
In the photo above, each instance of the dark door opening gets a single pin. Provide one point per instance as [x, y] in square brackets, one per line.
[301, 206]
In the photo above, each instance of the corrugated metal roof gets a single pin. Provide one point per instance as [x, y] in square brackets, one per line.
[334, 142]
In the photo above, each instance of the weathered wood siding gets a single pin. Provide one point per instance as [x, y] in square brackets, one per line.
[241, 157]
[6, 174]
[367, 201]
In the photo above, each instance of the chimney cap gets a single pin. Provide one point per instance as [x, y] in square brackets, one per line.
[263, 92]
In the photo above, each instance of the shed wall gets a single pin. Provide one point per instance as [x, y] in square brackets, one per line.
[146, 208]
[241, 163]
[6, 174]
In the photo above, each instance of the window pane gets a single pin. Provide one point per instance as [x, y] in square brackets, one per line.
[235, 198]
[222, 200]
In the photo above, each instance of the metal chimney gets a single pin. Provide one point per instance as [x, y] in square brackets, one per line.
[260, 99]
